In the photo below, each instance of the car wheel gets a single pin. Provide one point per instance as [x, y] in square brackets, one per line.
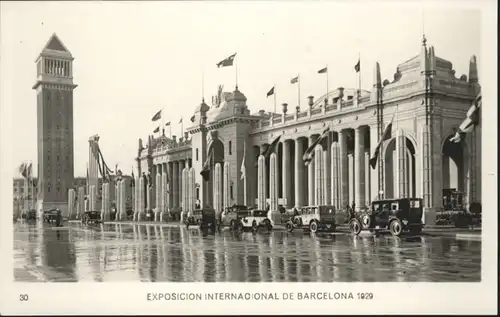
[396, 227]
[289, 226]
[268, 225]
[254, 226]
[313, 226]
[355, 226]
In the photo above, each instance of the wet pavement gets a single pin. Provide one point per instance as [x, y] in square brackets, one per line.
[152, 253]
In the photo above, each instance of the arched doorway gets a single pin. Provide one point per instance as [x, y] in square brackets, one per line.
[216, 149]
[454, 171]
[408, 183]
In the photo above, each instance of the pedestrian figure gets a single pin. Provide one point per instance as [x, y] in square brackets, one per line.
[198, 204]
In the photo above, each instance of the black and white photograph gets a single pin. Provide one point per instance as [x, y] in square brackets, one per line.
[230, 157]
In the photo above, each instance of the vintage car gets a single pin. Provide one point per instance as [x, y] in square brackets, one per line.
[30, 215]
[231, 216]
[53, 216]
[204, 218]
[254, 219]
[91, 217]
[314, 218]
[396, 215]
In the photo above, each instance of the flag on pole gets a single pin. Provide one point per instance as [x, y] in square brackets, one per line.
[157, 116]
[167, 124]
[29, 170]
[243, 168]
[272, 147]
[157, 130]
[471, 120]
[205, 172]
[180, 121]
[22, 169]
[357, 67]
[309, 153]
[132, 182]
[226, 62]
[270, 92]
[386, 136]
[294, 80]
[323, 70]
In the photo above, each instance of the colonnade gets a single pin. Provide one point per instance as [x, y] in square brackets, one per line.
[171, 187]
[339, 174]
[56, 67]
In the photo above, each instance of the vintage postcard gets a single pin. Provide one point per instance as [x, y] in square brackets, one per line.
[234, 157]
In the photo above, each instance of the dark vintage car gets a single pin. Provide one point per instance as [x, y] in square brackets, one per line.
[231, 216]
[454, 211]
[53, 216]
[395, 215]
[204, 218]
[30, 215]
[91, 217]
[315, 218]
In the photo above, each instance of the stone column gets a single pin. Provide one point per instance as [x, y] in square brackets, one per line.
[80, 207]
[217, 189]
[93, 201]
[175, 181]
[261, 182]
[170, 185]
[164, 192]
[142, 202]
[158, 192]
[192, 189]
[226, 186]
[123, 201]
[318, 175]
[327, 167]
[149, 195]
[368, 194]
[359, 169]
[181, 168]
[273, 213]
[183, 182]
[299, 173]
[335, 175]
[106, 203]
[401, 180]
[343, 168]
[310, 177]
[286, 175]
[117, 195]
[137, 197]
[71, 203]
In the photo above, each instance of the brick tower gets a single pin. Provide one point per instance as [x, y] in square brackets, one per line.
[54, 88]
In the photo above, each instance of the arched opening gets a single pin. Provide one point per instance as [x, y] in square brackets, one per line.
[406, 180]
[453, 174]
[217, 148]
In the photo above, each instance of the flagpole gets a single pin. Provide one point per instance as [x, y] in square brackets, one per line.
[359, 75]
[298, 86]
[274, 93]
[327, 83]
[202, 85]
[236, 67]
[245, 175]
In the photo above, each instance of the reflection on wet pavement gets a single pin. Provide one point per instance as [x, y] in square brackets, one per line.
[152, 253]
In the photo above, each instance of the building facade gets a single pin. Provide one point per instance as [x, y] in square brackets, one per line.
[54, 88]
[425, 102]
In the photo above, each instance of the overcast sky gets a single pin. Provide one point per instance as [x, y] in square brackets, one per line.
[132, 59]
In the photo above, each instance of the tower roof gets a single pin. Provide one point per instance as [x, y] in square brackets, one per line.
[55, 47]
